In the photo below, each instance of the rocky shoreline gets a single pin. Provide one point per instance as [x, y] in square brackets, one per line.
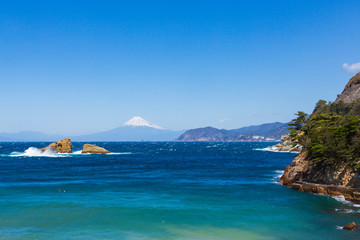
[333, 180]
[350, 194]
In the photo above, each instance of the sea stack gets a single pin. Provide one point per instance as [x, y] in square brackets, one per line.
[89, 148]
[62, 146]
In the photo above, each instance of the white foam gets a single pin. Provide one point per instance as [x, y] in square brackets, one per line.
[278, 175]
[119, 153]
[112, 153]
[341, 210]
[77, 152]
[36, 152]
[343, 200]
[339, 227]
[273, 149]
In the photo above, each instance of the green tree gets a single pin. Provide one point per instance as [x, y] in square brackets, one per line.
[320, 104]
[332, 137]
[296, 124]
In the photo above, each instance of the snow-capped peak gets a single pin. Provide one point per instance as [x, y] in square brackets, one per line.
[140, 122]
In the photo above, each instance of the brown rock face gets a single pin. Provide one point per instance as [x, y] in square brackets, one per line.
[331, 179]
[62, 146]
[89, 148]
[304, 169]
[351, 91]
[350, 226]
[294, 171]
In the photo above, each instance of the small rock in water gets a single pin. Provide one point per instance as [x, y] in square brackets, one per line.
[89, 148]
[350, 226]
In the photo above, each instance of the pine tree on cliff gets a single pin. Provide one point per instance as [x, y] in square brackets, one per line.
[296, 124]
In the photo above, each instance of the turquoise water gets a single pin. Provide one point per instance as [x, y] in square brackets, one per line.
[160, 191]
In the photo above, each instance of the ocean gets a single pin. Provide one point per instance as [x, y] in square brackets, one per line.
[161, 190]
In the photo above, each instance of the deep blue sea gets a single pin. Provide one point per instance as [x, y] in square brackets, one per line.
[160, 190]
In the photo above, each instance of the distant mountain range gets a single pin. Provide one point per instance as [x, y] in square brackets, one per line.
[138, 129]
[28, 136]
[263, 132]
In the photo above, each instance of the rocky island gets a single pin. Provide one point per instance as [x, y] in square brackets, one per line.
[62, 146]
[89, 148]
[65, 146]
[329, 162]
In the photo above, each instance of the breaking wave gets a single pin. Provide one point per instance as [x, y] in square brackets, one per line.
[344, 201]
[279, 173]
[36, 152]
[273, 149]
[277, 176]
[343, 210]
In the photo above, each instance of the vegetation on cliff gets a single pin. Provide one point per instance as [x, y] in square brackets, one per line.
[330, 160]
[331, 133]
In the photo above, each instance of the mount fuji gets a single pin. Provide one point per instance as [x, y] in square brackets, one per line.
[140, 122]
[136, 129]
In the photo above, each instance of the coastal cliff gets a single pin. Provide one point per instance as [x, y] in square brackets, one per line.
[330, 160]
[305, 175]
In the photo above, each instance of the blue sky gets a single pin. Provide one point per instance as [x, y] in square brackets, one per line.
[73, 68]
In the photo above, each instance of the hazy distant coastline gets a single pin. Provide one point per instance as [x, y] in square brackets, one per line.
[138, 129]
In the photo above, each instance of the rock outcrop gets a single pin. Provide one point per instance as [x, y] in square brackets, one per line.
[320, 177]
[287, 145]
[351, 91]
[62, 146]
[89, 148]
[65, 146]
[350, 226]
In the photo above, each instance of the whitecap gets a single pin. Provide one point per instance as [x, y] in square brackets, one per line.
[112, 153]
[278, 174]
[77, 152]
[273, 149]
[342, 210]
[344, 201]
[34, 152]
[119, 153]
